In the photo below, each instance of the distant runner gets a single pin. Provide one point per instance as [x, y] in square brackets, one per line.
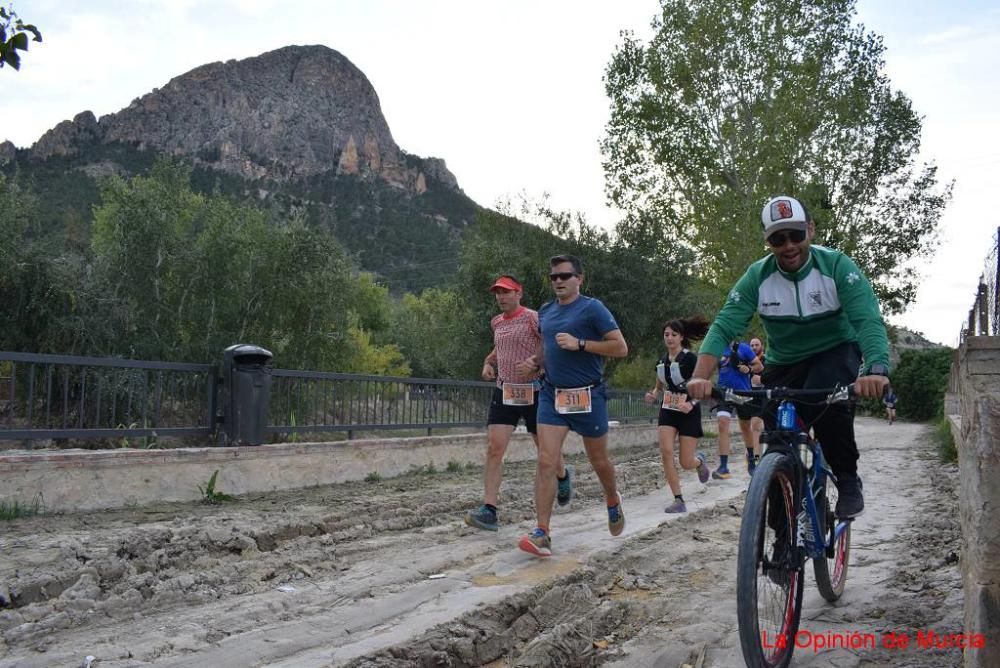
[890, 404]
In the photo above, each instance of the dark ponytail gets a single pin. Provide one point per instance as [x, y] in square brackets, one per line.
[691, 328]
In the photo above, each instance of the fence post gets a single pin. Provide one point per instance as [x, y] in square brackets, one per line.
[996, 285]
[983, 302]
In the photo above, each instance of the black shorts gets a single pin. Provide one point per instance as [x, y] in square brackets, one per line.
[686, 424]
[741, 411]
[500, 413]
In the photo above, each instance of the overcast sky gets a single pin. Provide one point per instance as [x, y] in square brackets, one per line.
[510, 93]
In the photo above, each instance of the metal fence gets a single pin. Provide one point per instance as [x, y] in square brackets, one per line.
[312, 401]
[984, 316]
[76, 398]
[58, 396]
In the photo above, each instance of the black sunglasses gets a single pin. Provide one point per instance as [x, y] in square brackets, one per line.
[563, 276]
[778, 239]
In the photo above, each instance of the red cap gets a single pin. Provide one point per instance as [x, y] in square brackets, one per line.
[506, 283]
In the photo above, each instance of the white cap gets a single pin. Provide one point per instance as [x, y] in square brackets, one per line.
[783, 213]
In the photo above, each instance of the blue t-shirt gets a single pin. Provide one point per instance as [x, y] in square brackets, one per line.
[729, 375]
[585, 318]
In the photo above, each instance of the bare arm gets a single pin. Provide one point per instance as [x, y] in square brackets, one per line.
[490, 366]
[654, 394]
[612, 345]
[700, 385]
[532, 364]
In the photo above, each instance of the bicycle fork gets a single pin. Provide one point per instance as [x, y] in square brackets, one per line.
[808, 521]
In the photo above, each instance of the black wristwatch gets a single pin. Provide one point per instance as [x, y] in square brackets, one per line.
[581, 344]
[877, 369]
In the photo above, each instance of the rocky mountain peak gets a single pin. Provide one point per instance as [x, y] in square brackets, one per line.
[294, 112]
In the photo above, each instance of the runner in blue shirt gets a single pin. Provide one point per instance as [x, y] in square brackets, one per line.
[890, 404]
[578, 332]
[735, 369]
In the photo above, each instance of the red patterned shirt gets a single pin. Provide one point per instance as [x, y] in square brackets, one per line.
[515, 339]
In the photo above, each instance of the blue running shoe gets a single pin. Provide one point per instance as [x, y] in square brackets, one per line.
[565, 494]
[482, 518]
[616, 517]
[721, 473]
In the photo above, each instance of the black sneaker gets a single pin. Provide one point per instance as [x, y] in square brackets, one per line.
[482, 518]
[851, 500]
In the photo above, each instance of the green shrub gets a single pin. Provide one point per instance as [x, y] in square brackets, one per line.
[209, 494]
[12, 510]
[920, 382]
[945, 441]
[638, 373]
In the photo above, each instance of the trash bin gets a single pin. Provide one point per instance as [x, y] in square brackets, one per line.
[246, 393]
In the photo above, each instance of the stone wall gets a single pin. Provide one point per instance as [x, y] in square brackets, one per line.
[974, 390]
[80, 480]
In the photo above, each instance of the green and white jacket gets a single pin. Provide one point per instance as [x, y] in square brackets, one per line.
[826, 302]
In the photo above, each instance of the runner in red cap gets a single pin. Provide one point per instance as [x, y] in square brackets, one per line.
[511, 364]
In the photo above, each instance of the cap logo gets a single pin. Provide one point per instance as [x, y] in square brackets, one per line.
[781, 209]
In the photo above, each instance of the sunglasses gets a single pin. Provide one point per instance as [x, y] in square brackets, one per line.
[778, 239]
[563, 276]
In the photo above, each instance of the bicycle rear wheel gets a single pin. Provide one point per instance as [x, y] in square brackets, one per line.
[769, 576]
[831, 570]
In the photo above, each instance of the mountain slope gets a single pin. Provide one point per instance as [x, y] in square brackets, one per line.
[299, 130]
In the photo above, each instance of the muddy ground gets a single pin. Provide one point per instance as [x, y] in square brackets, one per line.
[385, 573]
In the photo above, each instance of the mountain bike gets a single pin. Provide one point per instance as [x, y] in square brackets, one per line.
[788, 518]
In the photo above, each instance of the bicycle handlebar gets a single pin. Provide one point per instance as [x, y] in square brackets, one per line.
[829, 395]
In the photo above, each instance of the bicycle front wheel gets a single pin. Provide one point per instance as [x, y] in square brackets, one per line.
[831, 569]
[769, 575]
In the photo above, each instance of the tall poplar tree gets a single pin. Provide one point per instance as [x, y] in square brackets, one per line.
[734, 101]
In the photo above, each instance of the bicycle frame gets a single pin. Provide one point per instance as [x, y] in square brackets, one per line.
[797, 444]
[773, 547]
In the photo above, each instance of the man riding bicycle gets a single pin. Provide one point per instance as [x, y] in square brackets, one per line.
[821, 318]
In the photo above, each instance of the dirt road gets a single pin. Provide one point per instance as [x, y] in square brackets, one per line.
[385, 573]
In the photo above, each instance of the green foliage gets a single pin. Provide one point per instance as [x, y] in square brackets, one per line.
[643, 284]
[638, 372]
[945, 441]
[733, 102]
[12, 510]
[14, 37]
[371, 358]
[170, 274]
[410, 242]
[453, 466]
[38, 288]
[373, 477]
[196, 273]
[920, 381]
[210, 495]
[434, 333]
